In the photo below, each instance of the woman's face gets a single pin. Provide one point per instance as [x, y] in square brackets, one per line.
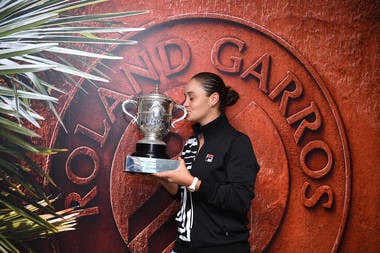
[198, 104]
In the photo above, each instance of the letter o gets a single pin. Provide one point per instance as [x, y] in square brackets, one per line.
[87, 152]
[312, 145]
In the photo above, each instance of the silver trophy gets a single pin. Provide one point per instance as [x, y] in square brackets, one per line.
[154, 119]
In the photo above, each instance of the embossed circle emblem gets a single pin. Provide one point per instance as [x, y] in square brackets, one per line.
[303, 187]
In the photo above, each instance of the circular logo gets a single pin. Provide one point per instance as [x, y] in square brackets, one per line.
[303, 186]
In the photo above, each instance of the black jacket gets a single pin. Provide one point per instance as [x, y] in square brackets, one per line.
[227, 167]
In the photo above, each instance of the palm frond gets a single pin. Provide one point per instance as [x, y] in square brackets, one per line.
[42, 37]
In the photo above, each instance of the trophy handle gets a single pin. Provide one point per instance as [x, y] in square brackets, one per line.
[125, 110]
[183, 116]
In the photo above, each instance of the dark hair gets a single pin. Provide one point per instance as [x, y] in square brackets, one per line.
[213, 83]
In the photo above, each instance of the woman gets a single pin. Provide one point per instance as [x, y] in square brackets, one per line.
[216, 174]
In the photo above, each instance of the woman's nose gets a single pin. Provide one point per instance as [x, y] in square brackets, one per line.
[186, 102]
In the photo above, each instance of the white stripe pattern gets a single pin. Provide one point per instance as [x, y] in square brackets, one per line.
[185, 215]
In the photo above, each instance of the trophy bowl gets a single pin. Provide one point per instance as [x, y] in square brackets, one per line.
[154, 119]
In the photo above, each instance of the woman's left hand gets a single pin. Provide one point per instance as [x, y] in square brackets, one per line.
[180, 176]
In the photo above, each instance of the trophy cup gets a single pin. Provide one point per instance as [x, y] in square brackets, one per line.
[154, 120]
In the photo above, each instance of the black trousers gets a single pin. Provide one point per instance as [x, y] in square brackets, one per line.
[241, 247]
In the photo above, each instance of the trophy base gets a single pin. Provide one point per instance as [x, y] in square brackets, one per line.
[136, 164]
[151, 150]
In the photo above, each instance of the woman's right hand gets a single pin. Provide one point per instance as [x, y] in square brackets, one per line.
[179, 176]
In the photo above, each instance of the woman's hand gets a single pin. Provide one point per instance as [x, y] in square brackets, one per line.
[179, 176]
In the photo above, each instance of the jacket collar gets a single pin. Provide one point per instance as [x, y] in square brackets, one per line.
[212, 128]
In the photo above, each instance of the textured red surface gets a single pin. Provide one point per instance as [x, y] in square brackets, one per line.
[332, 52]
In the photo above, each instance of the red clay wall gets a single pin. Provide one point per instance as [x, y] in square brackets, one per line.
[308, 78]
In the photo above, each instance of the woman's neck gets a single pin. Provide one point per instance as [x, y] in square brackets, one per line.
[211, 117]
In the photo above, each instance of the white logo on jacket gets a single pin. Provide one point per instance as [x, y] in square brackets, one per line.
[209, 158]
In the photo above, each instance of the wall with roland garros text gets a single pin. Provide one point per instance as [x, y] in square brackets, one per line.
[308, 76]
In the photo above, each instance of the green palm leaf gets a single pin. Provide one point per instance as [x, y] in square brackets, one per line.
[96, 17]
[41, 36]
[25, 49]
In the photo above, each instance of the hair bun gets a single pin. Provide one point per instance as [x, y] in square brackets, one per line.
[231, 97]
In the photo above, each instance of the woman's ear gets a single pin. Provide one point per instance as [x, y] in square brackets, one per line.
[214, 99]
